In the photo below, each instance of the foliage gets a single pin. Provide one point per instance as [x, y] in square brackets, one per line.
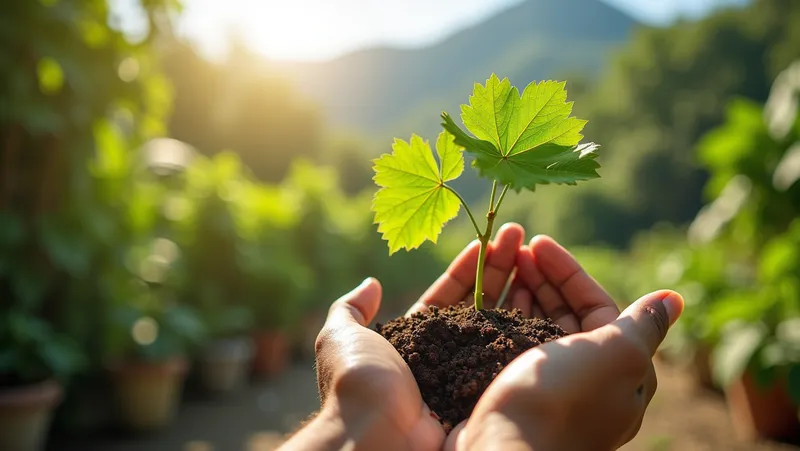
[739, 268]
[84, 94]
[413, 204]
[38, 352]
[518, 142]
[238, 267]
[524, 141]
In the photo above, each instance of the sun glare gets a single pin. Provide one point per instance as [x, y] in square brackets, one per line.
[296, 30]
[321, 29]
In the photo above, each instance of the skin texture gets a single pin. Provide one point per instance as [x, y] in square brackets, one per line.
[593, 385]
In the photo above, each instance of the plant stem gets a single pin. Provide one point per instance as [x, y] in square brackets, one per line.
[500, 200]
[484, 238]
[494, 192]
[469, 213]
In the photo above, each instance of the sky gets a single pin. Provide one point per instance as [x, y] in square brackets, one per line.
[315, 30]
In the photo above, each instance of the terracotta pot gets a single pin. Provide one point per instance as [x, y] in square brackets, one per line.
[271, 353]
[148, 394]
[225, 364]
[25, 415]
[762, 412]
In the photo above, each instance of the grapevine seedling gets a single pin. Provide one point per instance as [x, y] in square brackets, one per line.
[516, 141]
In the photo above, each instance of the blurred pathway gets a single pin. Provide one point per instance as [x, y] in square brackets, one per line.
[684, 418]
[680, 418]
[253, 419]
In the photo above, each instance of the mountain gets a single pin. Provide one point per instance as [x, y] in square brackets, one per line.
[389, 91]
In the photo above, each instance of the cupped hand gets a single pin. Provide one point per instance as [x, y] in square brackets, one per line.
[550, 283]
[587, 391]
[365, 382]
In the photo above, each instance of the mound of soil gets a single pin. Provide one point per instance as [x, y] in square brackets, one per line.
[456, 352]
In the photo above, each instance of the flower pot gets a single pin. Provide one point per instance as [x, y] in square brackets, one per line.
[148, 394]
[759, 412]
[25, 414]
[225, 363]
[271, 353]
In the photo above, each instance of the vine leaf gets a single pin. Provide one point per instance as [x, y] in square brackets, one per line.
[526, 140]
[413, 204]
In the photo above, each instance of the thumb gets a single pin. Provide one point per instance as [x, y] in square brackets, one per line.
[358, 306]
[647, 320]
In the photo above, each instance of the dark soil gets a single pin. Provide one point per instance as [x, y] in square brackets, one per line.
[456, 352]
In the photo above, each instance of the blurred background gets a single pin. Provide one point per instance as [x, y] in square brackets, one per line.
[185, 187]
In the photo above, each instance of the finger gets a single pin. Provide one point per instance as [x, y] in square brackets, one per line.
[454, 285]
[356, 307]
[536, 311]
[591, 306]
[549, 299]
[523, 301]
[345, 317]
[647, 320]
[500, 261]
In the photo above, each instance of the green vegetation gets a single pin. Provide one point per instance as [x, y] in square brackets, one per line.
[518, 142]
[110, 250]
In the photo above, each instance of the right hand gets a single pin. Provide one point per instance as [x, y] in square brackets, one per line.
[587, 391]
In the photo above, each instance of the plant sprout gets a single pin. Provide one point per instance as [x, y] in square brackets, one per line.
[517, 141]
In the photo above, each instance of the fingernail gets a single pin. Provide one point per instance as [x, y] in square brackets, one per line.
[673, 303]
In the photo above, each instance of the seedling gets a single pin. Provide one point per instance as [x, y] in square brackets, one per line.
[518, 142]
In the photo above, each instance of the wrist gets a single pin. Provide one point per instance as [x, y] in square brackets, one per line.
[342, 425]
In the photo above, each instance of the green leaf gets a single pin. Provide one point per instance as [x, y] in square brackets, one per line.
[413, 204]
[527, 140]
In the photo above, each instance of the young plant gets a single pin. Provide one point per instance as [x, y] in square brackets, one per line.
[517, 142]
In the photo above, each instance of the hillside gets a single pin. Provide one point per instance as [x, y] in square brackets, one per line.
[385, 91]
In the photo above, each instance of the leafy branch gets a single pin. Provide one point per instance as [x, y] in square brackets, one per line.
[518, 141]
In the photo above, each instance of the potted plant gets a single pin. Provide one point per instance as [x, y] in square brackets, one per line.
[226, 356]
[149, 338]
[518, 142]
[759, 368]
[34, 362]
[274, 313]
[758, 358]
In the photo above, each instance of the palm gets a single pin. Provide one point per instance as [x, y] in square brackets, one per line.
[393, 386]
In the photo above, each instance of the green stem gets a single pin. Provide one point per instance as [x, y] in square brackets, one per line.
[500, 200]
[494, 192]
[466, 207]
[484, 239]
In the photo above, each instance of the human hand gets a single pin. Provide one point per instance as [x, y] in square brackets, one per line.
[369, 396]
[586, 391]
[549, 283]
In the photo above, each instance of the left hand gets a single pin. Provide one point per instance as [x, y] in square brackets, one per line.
[364, 381]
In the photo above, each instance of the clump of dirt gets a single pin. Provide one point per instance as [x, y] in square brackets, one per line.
[456, 352]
